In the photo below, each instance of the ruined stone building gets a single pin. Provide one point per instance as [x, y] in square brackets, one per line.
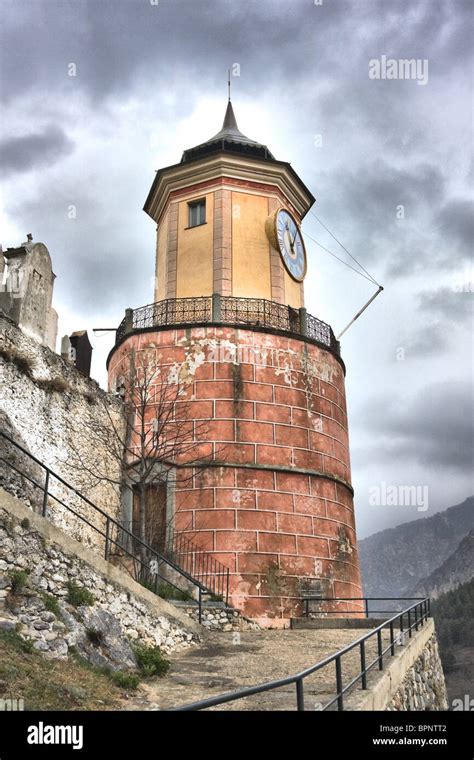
[26, 291]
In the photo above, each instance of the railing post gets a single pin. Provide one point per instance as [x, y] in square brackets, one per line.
[409, 623]
[392, 640]
[200, 605]
[429, 606]
[340, 697]
[366, 602]
[299, 695]
[362, 665]
[416, 617]
[303, 322]
[227, 589]
[216, 307]
[128, 321]
[44, 508]
[379, 647]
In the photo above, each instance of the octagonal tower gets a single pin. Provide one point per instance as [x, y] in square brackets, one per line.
[267, 491]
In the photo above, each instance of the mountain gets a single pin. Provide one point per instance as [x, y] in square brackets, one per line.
[453, 614]
[457, 569]
[394, 561]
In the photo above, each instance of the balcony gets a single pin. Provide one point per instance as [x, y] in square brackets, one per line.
[253, 313]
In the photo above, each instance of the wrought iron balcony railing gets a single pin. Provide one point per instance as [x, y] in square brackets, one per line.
[227, 310]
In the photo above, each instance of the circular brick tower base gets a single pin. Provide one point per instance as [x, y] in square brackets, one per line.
[270, 496]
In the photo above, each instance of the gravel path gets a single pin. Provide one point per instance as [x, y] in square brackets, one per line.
[229, 661]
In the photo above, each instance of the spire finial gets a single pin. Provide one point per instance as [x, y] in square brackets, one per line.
[228, 83]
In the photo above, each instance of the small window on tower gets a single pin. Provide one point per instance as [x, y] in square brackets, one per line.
[196, 213]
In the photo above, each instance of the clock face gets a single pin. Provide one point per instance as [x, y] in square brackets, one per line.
[290, 244]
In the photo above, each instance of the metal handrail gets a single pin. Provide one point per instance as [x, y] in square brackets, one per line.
[421, 612]
[147, 571]
[200, 564]
[307, 599]
[229, 310]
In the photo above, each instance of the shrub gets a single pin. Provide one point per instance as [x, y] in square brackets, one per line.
[18, 580]
[51, 604]
[167, 591]
[150, 661]
[23, 363]
[124, 680]
[79, 596]
[53, 385]
[25, 523]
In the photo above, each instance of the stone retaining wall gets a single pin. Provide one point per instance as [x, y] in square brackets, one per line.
[52, 560]
[221, 619]
[423, 687]
[411, 680]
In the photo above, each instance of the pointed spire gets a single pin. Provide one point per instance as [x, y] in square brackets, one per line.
[229, 138]
[230, 121]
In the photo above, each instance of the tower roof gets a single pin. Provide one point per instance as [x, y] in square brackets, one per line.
[230, 139]
[227, 151]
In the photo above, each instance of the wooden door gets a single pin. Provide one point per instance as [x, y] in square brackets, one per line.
[155, 516]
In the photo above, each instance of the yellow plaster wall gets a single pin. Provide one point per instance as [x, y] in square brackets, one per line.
[250, 248]
[250, 252]
[161, 256]
[195, 252]
[292, 292]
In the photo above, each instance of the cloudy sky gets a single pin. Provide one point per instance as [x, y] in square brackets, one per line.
[389, 161]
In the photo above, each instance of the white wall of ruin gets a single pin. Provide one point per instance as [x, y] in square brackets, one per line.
[52, 410]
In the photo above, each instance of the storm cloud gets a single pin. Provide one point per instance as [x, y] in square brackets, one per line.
[432, 427]
[96, 96]
[26, 153]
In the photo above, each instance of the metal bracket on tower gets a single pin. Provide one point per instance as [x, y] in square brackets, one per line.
[360, 312]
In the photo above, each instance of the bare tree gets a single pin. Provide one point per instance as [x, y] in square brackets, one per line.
[156, 436]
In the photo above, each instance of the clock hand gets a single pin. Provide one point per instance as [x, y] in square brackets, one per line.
[293, 243]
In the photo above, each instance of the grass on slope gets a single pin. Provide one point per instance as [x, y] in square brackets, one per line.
[52, 684]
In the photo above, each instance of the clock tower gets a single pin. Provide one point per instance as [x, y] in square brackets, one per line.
[270, 497]
[223, 214]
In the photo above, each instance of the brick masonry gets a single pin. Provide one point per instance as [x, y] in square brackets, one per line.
[273, 502]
